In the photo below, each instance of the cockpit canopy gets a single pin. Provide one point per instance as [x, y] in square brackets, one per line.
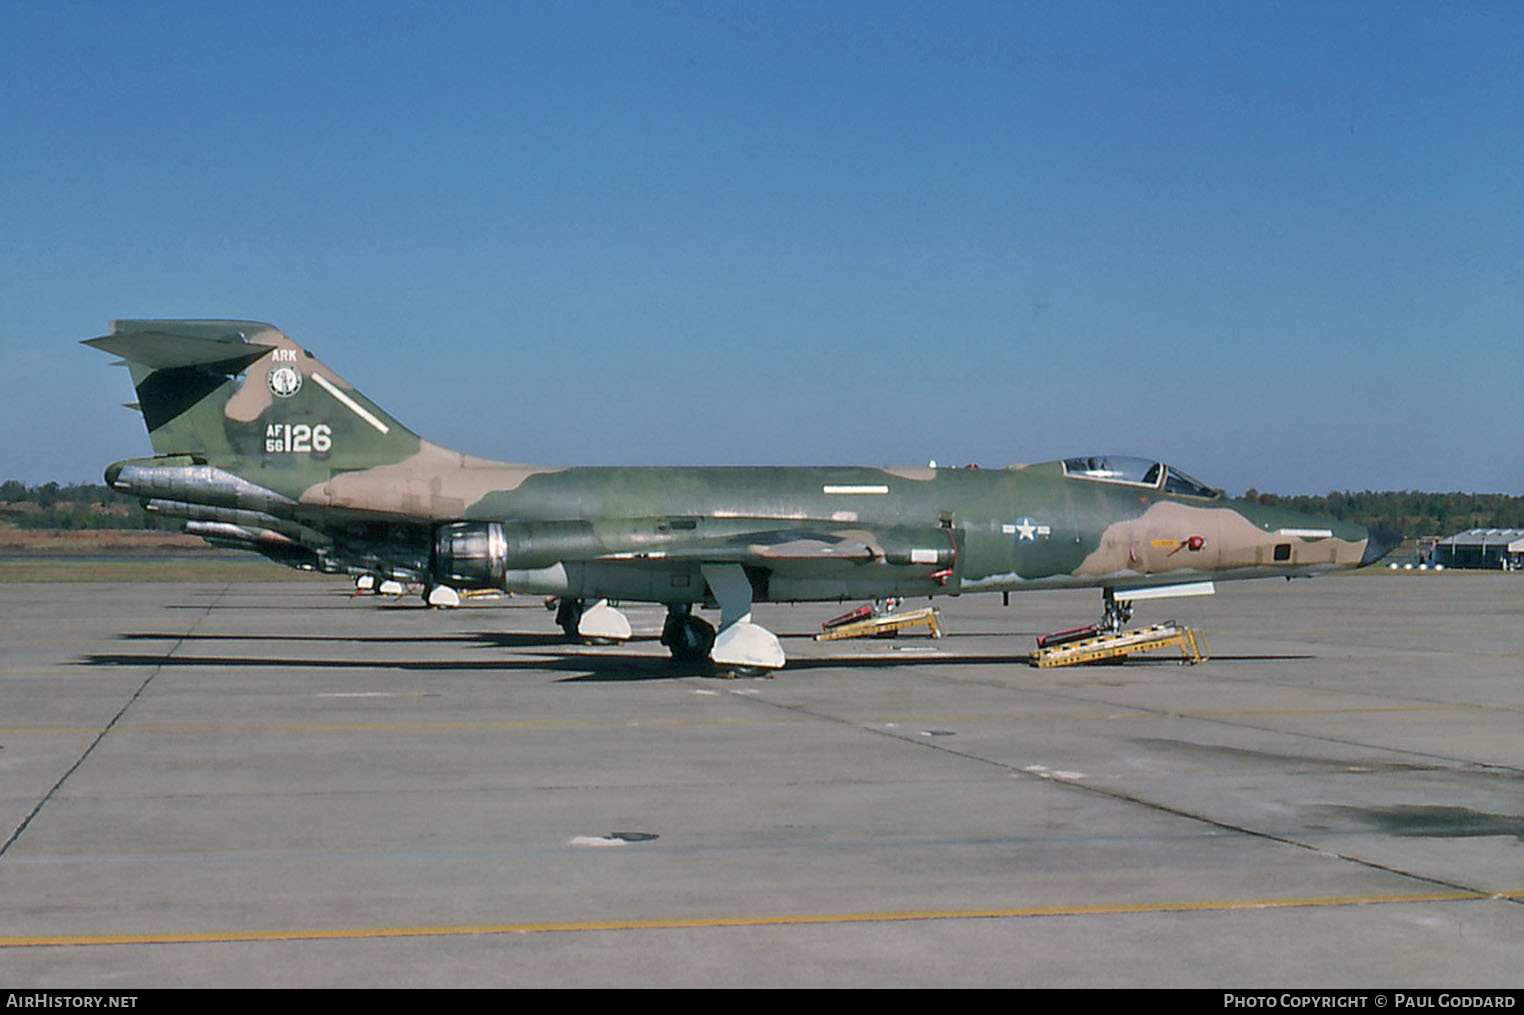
[1129, 471]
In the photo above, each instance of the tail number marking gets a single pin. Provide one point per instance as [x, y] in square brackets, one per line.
[294, 438]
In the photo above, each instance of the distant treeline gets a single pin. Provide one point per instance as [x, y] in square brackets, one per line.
[1410, 512]
[75, 506]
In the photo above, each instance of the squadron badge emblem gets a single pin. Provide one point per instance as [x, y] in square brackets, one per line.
[285, 381]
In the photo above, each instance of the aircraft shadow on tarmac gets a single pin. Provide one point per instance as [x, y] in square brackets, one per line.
[552, 652]
[587, 667]
[500, 639]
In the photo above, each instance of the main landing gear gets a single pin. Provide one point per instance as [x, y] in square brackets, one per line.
[689, 638]
[568, 616]
[741, 645]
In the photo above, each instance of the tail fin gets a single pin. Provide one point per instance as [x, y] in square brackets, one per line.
[289, 418]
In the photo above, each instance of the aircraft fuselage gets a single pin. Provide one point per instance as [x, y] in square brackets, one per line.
[261, 445]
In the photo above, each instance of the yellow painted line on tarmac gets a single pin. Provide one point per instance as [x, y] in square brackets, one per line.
[702, 923]
[1349, 709]
[1156, 712]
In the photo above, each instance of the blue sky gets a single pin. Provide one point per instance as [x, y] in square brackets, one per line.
[1280, 245]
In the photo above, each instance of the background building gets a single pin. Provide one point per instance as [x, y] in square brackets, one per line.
[1489, 548]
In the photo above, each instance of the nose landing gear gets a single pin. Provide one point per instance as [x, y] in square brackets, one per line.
[1114, 612]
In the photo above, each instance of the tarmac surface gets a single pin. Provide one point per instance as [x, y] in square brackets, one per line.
[217, 784]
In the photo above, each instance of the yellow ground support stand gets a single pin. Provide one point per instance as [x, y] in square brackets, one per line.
[1124, 643]
[886, 623]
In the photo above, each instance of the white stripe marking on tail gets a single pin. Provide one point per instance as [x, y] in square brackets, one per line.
[354, 406]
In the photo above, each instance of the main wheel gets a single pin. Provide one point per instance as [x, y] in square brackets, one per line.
[569, 617]
[688, 637]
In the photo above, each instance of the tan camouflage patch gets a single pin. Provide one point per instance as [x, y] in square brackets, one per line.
[251, 400]
[1158, 541]
[1247, 545]
[1171, 536]
[435, 483]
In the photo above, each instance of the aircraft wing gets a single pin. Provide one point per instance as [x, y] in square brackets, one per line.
[762, 546]
[801, 545]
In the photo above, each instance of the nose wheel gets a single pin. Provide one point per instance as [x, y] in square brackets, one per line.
[1115, 613]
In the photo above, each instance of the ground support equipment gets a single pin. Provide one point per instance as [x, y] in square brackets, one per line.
[1121, 644]
[886, 624]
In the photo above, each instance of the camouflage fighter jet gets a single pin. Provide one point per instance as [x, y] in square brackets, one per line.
[261, 446]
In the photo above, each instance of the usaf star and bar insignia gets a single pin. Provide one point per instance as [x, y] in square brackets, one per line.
[1026, 529]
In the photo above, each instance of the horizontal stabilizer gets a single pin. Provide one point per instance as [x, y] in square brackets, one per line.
[216, 346]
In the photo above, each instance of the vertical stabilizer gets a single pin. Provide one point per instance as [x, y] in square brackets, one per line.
[243, 396]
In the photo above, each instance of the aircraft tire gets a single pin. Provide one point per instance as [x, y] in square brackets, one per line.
[688, 637]
[569, 618]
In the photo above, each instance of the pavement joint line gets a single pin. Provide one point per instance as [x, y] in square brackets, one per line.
[1224, 717]
[1422, 702]
[717, 922]
[1163, 808]
[101, 735]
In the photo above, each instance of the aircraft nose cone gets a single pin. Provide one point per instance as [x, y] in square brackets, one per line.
[1378, 543]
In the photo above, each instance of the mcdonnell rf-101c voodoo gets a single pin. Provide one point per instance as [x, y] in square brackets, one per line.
[259, 445]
